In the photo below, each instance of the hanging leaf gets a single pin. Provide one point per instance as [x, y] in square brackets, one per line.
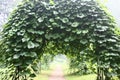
[31, 30]
[68, 29]
[29, 54]
[65, 20]
[83, 41]
[111, 40]
[36, 44]
[55, 24]
[32, 75]
[33, 54]
[51, 20]
[85, 31]
[17, 49]
[16, 56]
[47, 36]
[17, 64]
[75, 24]
[40, 32]
[55, 12]
[62, 27]
[80, 16]
[79, 32]
[25, 39]
[66, 40]
[30, 45]
[39, 39]
[40, 19]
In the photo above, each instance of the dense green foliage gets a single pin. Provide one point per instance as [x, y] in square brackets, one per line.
[71, 27]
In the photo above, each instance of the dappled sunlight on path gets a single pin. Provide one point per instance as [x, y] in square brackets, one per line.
[57, 74]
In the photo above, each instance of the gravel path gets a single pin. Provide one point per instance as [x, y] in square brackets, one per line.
[57, 74]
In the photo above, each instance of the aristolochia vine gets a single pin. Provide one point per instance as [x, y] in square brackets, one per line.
[72, 26]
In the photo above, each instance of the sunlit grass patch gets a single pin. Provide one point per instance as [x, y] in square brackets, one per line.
[84, 77]
[44, 75]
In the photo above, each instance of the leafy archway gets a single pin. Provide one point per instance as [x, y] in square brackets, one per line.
[73, 27]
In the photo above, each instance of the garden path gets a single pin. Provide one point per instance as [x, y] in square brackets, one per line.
[57, 74]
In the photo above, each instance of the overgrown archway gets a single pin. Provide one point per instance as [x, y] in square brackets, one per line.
[74, 27]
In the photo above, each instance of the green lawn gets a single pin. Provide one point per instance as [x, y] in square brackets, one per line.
[44, 75]
[76, 77]
[84, 77]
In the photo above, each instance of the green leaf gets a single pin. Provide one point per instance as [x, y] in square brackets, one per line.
[41, 32]
[32, 75]
[31, 13]
[30, 30]
[30, 45]
[36, 44]
[85, 31]
[39, 39]
[79, 32]
[66, 40]
[111, 40]
[16, 56]
[29, 54]
[62, 27]
[55, 36]
[34, 67]
[18, 64]
[49, 26]
[75, 24]
[112, 54]
[9, 59]
[83, 41]
[51, 2]
[100, 41]
[65, 20]
[26, 72]
[55, 12]
[54, 24]
[68, 29]
[20, 33]
[80, 15]
[57, 17]
[33, 54]
[16, 49]
[92, 40]
[47, 36]
[25, 39]
[51, 20]
[40, 19]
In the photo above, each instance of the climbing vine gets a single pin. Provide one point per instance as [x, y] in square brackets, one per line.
[70, 26]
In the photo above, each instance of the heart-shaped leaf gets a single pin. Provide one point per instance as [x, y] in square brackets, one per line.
[75, 24]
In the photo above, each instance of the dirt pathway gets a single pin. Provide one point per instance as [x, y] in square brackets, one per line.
[57, 74]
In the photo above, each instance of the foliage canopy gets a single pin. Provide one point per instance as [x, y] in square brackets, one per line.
[74, 27]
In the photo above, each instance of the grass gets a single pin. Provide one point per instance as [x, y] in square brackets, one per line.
[76, 77]
[44, 75]
[84, 77]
